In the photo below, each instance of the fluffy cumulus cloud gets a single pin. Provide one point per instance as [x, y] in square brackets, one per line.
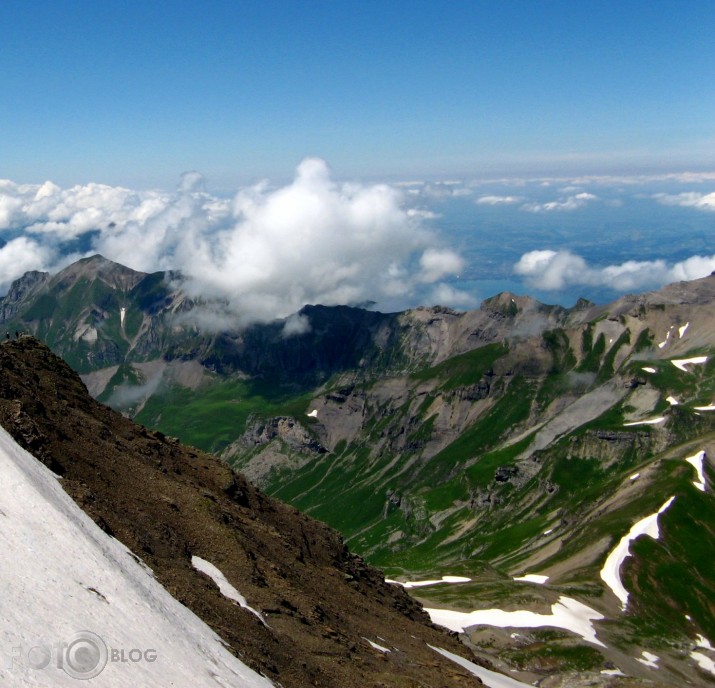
[264, 253]
[556, 270]
[551, 270]
[64, 214]
[438, 263]
[21, 254]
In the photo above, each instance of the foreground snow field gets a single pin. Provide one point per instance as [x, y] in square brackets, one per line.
[78, 605]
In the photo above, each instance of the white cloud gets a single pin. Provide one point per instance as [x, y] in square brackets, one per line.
[20, 255]
[407, 184]
[437, 263]
[569, 203]
[422, 214]
[9, 206]
[64, 214]
[446, 295]
[437, 190]
[551, 270]
[296, 324]
[555, 270]
[688, 199]
[604, 179]
[499, 200]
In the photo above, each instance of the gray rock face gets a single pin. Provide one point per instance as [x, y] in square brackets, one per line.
[20, 291]
[285, 429]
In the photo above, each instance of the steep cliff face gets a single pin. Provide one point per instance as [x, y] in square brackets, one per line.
[321, 607]
[21, 290]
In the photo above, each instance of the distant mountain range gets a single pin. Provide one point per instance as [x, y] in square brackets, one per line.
[520, 446]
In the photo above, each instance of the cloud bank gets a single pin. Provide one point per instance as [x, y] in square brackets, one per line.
[264, 253]
[557, 270]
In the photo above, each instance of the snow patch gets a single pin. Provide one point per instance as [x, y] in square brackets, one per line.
[648, 369]
[672, 401]
[312, 414]
[696, 461]
[70, 583]
[647, 421]
[549, 531]
[567, 613]
[667, 338]
[612, 672]
[680, 363]
[704, 662]
[711, 407]
[122, 313]
[532, 578]
[682, 329]
[610, 573]
[375, 646]
[702, 641]
[649, 659]
[421, 584]
[226, 589]
[635, 476]
[491, 679]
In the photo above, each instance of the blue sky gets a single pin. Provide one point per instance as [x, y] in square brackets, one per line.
[134, 93]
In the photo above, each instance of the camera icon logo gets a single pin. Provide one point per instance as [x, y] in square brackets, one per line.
[85, 656]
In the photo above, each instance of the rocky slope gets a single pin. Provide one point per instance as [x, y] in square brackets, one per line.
[533, 454]
[320, 605]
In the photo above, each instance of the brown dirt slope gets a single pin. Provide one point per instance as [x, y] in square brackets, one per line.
[167, 502]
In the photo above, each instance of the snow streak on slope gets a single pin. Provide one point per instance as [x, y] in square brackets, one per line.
[680, 363]
[696, 462]
[610, 573]
[532, 578]
[377, 646]
[647, 421]
[490, 678]
[425, 583]
[77, 604]
[227, 590]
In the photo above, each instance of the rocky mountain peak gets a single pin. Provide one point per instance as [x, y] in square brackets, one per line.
[98, 267]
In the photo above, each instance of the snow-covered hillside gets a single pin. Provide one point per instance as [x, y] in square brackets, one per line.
[77, 604]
